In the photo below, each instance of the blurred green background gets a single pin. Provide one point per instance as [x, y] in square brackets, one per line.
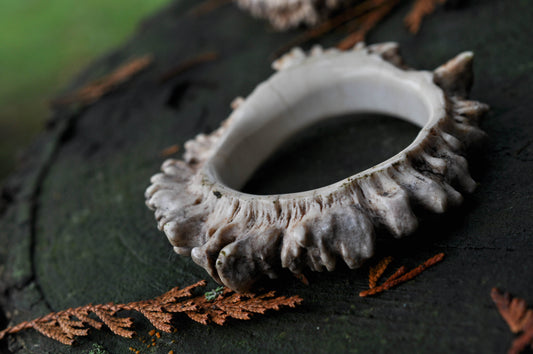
[42, 45]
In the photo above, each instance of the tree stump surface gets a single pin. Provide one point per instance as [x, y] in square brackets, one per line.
[74, 228]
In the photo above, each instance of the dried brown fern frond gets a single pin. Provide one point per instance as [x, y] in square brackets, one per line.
[65, 326]
[519, 318]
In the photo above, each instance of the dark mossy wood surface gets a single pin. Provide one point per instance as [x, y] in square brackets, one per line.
[74, 228]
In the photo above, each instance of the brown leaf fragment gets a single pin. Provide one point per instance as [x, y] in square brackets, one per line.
[408, 276]
[420, 9]
[377, 271]
[96, 89]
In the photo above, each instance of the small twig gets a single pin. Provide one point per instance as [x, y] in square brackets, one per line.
[525, 146]
[331, 24]
[96, 89]
[207, 6]
[187, 64]
[408, 276]
[377, 271]
[420, 9]
[367, 22]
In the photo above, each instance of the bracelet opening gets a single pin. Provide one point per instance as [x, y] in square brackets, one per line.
[341, 145]
[277, 110]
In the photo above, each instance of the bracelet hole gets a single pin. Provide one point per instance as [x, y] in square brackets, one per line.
[329, 151]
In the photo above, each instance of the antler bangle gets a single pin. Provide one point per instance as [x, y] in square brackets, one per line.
[239, 237]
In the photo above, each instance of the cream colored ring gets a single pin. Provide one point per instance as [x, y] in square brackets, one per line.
[238, 237]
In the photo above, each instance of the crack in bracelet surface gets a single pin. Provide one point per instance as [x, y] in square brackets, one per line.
[239, 238]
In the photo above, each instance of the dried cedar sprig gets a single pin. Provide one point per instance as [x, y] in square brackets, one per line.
[377, 271]
[403, 278]
[519, 318]
[398, 273]
[96, 89]
[420, 9]
[65, 326]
